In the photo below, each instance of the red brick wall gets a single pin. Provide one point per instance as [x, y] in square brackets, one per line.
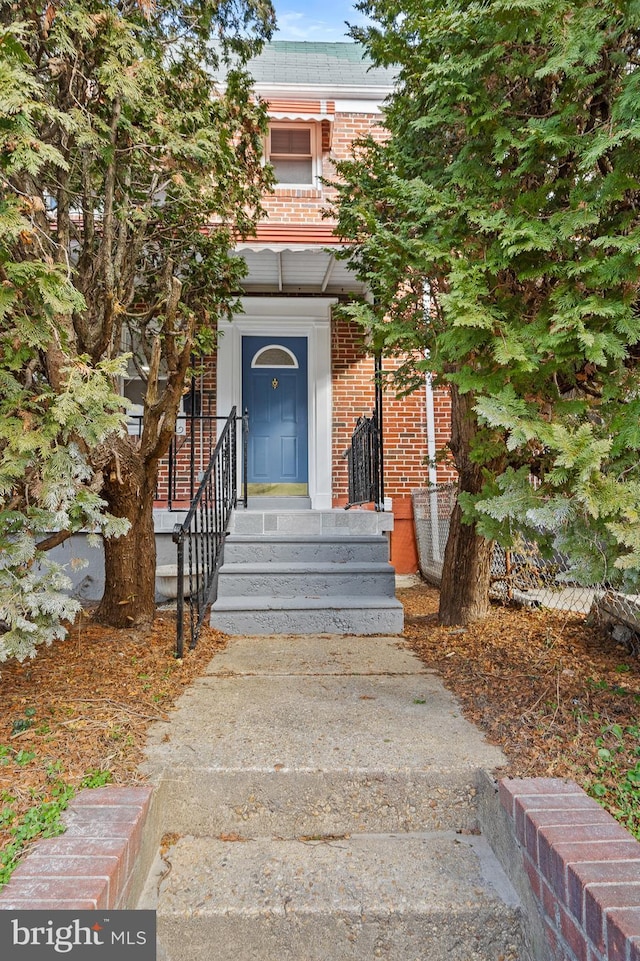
[404, 428]
[446, 472]
[304, 204]
[583, 867]
[352, 369]
[100, 862]
[354, 395]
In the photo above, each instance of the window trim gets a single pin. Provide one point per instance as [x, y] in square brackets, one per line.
[315, 143]
[285, 350]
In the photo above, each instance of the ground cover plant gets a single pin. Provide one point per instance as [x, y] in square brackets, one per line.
[77, 715]
[560, 697]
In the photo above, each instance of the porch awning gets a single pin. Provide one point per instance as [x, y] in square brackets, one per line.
[285, 258]
[291, 270]
[304, 110]
[276, 236]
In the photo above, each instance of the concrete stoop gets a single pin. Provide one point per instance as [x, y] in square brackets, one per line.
[319, 798]
[303, 572]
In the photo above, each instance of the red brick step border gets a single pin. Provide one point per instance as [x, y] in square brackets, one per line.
[100, 862]
[583, 869]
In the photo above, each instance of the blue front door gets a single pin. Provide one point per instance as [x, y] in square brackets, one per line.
[274, 391]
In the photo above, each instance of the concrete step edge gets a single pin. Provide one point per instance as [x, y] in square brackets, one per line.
[303, 567]
[421, 875]
[339, 538]
[210, 800]
[338, 602]
[310, 522]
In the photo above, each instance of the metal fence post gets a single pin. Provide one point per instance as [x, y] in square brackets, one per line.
[245, 457]
[178, 539]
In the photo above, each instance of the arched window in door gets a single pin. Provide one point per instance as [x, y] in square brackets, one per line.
[273, 355]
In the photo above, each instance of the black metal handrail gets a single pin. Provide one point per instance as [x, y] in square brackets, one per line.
[193, 443]
[364, 458]
[200, 537]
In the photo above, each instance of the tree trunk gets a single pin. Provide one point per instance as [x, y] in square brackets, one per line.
[129, 561]
[464, 591]
[466, 573]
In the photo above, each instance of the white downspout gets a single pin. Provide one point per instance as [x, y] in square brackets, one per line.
[431, 449]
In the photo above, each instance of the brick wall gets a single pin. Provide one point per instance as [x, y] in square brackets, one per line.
[101, 861]
[446, 472]
[583, 868]
[354, 395]
[405, 445]
[304, 204]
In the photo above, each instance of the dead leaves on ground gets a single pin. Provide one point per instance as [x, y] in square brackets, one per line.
[542, 685]
[85, 703]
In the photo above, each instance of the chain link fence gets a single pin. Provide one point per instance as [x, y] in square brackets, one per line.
[523, 576]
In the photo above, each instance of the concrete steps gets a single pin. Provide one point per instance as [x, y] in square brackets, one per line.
[319, 794]
[407, 897]
[327, 578]
[301, 572]
[338, 548]
[340, 614]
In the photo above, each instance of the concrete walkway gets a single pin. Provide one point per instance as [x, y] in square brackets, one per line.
[320, 793]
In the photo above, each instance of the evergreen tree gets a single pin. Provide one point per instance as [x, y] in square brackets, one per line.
[150, 173]
[46, 483]
[509, 189]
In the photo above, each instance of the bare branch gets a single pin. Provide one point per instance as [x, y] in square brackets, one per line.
[54, 540]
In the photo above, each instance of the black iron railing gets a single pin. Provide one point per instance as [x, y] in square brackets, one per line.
[364, 458]
[200, 538]
[191, 450]
[189, 454]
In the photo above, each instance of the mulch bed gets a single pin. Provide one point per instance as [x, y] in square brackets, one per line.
[84, 705]
[542, 686]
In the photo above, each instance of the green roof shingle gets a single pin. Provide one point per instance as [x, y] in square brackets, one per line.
[306, 62]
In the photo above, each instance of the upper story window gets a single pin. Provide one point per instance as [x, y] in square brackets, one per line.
[293, 154]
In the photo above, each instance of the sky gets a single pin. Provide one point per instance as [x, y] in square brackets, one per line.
[322, 20]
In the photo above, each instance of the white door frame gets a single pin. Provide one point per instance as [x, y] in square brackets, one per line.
[275, 317]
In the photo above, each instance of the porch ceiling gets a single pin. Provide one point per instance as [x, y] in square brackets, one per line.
[296, 269]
